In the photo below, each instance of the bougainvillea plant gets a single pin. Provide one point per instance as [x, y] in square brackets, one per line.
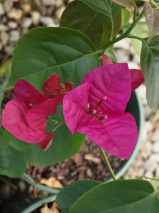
[69, 84]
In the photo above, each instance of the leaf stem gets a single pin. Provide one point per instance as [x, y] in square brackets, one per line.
[58, 126]
[107, 163]
[157, 179]
[124, 35]
[135, 37]
[6, 89]
[59, 115]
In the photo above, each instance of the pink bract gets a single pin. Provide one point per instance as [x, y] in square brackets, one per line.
[136, 75]
[25, 117]
[97, 107]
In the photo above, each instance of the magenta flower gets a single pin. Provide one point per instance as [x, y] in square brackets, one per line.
[136, 75]
[26, 116]
[97, 107]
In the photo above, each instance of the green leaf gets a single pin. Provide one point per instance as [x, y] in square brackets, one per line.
[142, 30]
[125, 16]
[120, 196]
[92, 23]
[68, 195]
[15, 142]
[63, 147]
[126, 3]
[43, 51]
[152, 19]
[155, 182]
[150, 68]
[12, 162]
[109, 9]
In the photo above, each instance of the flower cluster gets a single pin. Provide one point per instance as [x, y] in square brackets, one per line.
[96, 108]
[25, 116]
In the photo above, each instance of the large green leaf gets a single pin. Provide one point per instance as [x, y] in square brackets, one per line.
[12, 162]
[108, 9]
[63, 147]
[121, 196]
[94, 24]
[150, 68]
[15, 142]
[126, 3]
[43, 51]
[68, 195]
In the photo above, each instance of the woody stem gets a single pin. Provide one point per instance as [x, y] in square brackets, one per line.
[107, 163]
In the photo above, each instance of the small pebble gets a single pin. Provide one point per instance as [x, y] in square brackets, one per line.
[154, 157]
[12, 25]
[4, 38]
[140, 172]
[35, 17]
[47, 21]
[8, 4]
[14, 36]
[3, 28]
[26, 7]
[15, 14]
[9, 50]
[59, 12]
[123, 44]
[2, 11]
[48, 2]
[155, 136]
[155, 147]
[26, 23]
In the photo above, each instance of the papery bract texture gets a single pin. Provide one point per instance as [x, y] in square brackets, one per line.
[45, 144]
[36, 117]
[137, 78]
[14, 120]
[27, 93]
[97, 107]
[26, 116]
[106, 60]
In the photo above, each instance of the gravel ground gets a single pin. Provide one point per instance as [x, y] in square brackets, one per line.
[17, 17]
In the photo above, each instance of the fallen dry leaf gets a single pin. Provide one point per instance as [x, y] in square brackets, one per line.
[92, 158]
[46, 209]
[51, 182]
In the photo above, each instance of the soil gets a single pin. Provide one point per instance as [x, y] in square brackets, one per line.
[86, 164]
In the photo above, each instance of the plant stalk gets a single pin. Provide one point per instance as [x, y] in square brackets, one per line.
[107, 163]
[124, 35]
[6, 89]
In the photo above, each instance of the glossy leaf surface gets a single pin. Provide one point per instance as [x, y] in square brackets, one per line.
[68, 195]
[125, 3]
[93, 23]
[15, 142]
[150, 68]
[43, 51]
[120, 196]
[12, 162]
